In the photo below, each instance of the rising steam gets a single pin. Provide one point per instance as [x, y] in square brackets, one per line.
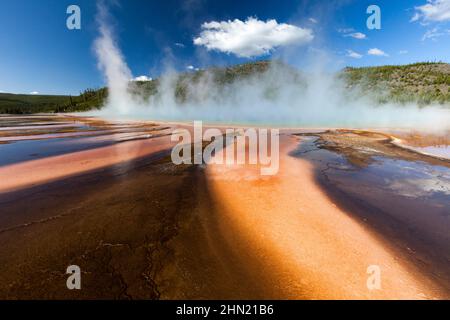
[274, 97]
[112, 63]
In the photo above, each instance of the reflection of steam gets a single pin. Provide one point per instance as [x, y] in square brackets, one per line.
[277, 96]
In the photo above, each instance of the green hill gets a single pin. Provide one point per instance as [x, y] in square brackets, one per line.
[422, 83]
[28, 103]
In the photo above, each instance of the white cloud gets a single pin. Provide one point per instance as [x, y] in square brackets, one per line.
[142, 78]
[345, 30]
[433, 10]
[431, 34]
[34, 92]
[192, 68]
[356, 35]
[353, 54]
[178, 44]
[377, 52]
[415, 17]
[434, 33]
[250, 38]
[403, 52]
[312, 20]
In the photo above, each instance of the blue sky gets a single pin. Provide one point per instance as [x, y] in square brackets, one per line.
[39, 54]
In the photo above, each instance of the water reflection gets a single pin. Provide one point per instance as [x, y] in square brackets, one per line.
[413, 195]
[24, 138]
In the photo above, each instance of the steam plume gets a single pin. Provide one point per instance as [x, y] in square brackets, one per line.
[112, 63]
[276, 97]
